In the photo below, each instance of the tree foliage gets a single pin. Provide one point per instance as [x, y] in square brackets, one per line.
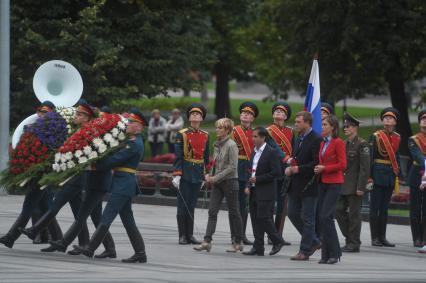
[123, 49]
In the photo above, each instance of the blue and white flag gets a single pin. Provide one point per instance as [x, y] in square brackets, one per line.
[313, 98]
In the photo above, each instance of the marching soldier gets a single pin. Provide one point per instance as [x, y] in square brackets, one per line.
[192, 157]
[348, 210]
[283, 137]
[385, 170]
[123, 188]
[243, 136]
[71, 192]
[417, 147]
[326, 110]
[34, 199]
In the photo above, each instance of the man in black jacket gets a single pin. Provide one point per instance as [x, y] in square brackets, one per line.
[303, 190]
[261, 187]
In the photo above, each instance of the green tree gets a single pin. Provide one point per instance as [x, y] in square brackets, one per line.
[123, 49]
[364, 47]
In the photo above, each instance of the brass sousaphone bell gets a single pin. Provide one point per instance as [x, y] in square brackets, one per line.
[57, 81]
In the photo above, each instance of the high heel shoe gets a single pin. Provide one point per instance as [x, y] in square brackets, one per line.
[235, 248]
[333, 260]
[204, 246]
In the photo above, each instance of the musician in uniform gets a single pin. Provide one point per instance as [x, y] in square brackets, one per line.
[124, 164]
[192, 158]
[348, 210]
[34, 199]
[385, 170]
[243, 137]
[417, 147]
[283, 137]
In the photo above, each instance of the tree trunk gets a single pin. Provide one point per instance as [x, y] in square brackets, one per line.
[186, 93]
[204, 94]
[222, 108]
[395, 80]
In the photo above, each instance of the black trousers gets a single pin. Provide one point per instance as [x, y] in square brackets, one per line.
[261, 213]
[327, 200]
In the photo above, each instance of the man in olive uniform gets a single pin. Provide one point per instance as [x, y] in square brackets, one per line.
[192, 158]
[123, 188]
[243, 137]
[348, 210]
[417, 147]
[385, 170]
[283, 137]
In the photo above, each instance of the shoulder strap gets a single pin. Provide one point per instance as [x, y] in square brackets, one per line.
[244, 141]
[282, 137]
[389, 150]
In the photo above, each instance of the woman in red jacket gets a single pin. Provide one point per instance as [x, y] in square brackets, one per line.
[332, 163]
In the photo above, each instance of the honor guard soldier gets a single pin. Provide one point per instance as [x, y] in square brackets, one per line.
[326, 110]
[35, 199]
[348, 210]
[417, 147]
[124, 164]
[71, 192]
[243, 136]
[283, 137]
[104, 110]
[192, 158]
[385, 170]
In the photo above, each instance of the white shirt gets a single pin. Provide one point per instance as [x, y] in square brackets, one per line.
[258, 153]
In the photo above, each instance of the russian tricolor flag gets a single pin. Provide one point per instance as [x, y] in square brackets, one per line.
[313, 98]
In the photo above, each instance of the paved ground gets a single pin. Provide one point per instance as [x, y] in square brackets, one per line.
[169, 262]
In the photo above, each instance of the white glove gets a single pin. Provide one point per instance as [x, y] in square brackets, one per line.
[176, 181]
[369, 187]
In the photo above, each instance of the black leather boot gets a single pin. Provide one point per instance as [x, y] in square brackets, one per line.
[56, 236]
[382, 236]
[94, 243]
[182, 229]
[83, 239]
[9, 239]
[138, 245]
[109, 245]
[41, 223]
[374, 229]
[190, 231]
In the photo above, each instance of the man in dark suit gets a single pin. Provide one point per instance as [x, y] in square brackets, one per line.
[303, 190]
[265, 169]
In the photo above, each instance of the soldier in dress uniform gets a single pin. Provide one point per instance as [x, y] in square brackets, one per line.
[348, 210]
[35, 199]
[71, 192]
[192, 158]
[104, 110]
[243, 136]
[283, 137]
[124, 164]
[385, 170]
[326, 110]
[417, 147]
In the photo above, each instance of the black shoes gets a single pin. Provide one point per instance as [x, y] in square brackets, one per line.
[58, 245]
[7, 241]
[276, 248]
[81, 250]
[246, 241]
[49, 249]
[137, 257]
[386, 243]
[192, 240]
[29, 232]
[376, 243]
[350, 249]
[107, 254]
[253, 251]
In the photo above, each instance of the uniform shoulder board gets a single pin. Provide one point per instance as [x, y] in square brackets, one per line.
[205, 132]
[183, 130]
[396, 133]
[362, 141]
[288, 127]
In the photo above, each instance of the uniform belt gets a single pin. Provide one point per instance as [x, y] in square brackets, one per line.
[383, 161]
[196, 161]
[125, 169]
[242, 157]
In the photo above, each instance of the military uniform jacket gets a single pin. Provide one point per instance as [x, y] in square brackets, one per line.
[99, 180]
[244, 139]
[283, 137]
[129, 156]
[417, 147]
[358, 166]
[381, 169]
[192, 154]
